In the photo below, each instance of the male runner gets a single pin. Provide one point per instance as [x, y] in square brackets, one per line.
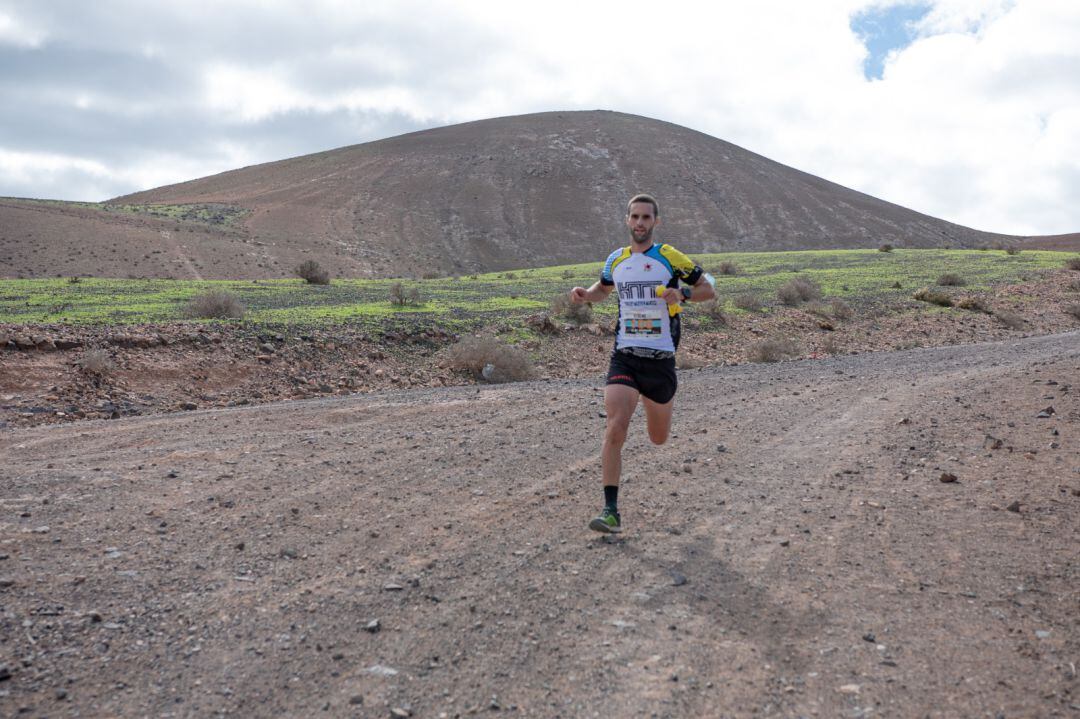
[647, 276]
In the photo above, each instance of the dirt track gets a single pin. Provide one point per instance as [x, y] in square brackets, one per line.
[790, 552]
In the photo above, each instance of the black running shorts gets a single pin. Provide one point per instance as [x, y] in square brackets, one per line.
[653, 378]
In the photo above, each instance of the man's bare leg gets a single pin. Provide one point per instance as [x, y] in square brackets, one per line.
[620, 402]
[658, 419]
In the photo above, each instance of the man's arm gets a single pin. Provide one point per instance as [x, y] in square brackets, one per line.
[597, 293]
[701, 291]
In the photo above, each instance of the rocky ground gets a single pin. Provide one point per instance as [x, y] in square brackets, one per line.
[876, 534]
[889, 534]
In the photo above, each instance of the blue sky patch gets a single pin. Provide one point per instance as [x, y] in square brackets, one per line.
[884, 29]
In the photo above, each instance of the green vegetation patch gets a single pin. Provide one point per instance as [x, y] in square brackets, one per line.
[860, 277]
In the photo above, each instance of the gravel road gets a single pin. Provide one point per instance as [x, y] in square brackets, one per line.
[792, 551]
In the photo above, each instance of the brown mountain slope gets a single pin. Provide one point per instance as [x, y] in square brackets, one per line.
[520, 191]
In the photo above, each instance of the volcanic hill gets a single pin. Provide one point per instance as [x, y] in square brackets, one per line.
[524, 191]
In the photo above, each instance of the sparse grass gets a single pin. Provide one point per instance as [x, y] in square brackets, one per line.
[215, 305]
[798, 290]
[312, 273]
[490, 360]
[773, 349]
[580, 313]
[934, 297]
[950, 279]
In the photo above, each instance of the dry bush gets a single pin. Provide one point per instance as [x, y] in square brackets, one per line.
[885, 248]
[897, 286]
[934, 297]
[402, 295]
[975, 304]
[312, 273]
[1010, 319]
[798, 290]
[727, 268]
[748, 301]
[951, 279]
[714, 310]
[215, 305]
[508, 276]
[840, 310]
[1012, 250]
[490, 360]
[832, 346]
[567, 274]
[1073, 263]
[1074, 286]
[74, 280]
[96, 361]
[1073, 311]
[580, 313]
[773, 349]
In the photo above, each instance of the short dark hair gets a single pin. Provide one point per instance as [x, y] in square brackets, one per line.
[643, 197]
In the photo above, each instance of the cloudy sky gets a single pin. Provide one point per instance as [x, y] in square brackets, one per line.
[968, 110]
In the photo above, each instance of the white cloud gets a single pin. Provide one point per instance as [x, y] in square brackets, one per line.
[974, 121]
[15, 32]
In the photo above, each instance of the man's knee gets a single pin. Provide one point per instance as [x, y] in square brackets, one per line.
[616, 431]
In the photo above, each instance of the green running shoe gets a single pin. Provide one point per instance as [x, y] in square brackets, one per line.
[608, 522]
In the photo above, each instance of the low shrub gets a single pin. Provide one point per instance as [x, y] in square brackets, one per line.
[96, 361]
[885, 248]
[798, 290]
[950, 279]
[215, 305]
[1010, 319]
[567, 274]
[1073, 263]
[1012, 250]
[934, 297]
[974, 304]
[840, 310]
[1073, 311]
[748, 301]
[714, 310]
[773, 349]
[897, 286]
[312, 273]
[580, 313]
[74, 280]
[490, 360]
[727, 268]
[402, 295]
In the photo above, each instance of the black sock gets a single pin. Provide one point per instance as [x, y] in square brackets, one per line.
[611, 496]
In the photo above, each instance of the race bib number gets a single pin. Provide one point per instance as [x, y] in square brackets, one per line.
[644, 322]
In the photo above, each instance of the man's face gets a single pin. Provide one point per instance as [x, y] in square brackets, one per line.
[641, 221]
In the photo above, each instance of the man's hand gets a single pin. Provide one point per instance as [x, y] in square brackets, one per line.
[579, 295]
[670, 295]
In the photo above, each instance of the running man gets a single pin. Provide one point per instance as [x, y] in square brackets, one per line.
[647, 277]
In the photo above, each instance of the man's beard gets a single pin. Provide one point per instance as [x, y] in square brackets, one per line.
[647, 237]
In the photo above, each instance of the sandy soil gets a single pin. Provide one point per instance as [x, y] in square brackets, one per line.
[792, 551]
